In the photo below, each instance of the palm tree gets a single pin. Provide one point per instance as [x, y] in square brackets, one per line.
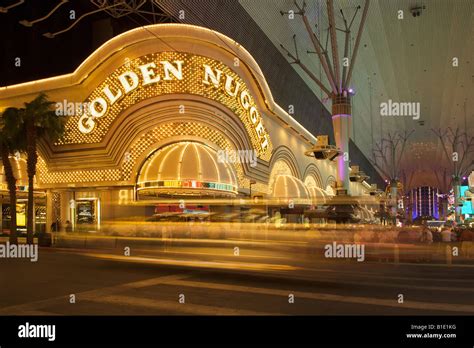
[11, 141]
[39, 122]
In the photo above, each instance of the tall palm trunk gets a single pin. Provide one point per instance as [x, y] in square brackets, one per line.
[31, 169]
[11, 183]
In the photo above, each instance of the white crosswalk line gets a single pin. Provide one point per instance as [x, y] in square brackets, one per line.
[91, 294]
[330, 297]
[187, 308]
[339, 273]
[381, 283]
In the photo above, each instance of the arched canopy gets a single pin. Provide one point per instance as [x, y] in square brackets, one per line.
[288, 188]
[317, 194]
[186, 168]
[19, 172]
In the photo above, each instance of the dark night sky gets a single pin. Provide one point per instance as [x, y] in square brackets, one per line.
[43, 57]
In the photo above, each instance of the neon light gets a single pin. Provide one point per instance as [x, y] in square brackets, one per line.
[185, 184]
[165, 73]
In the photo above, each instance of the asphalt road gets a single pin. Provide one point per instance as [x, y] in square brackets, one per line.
[206, 281]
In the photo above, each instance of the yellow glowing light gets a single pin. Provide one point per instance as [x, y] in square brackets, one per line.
[190, 83]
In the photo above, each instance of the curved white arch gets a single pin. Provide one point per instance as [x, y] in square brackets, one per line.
[143, 34]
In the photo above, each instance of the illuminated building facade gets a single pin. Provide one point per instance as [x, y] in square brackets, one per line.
[175, 118]
[426, 202]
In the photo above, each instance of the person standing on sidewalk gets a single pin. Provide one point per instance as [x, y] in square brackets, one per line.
[445, 235]
[466, 238]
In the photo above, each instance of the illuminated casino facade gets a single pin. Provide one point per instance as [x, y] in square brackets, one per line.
[159, 114]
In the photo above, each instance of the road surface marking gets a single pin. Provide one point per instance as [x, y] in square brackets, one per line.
[371, 275]
[338, 280]
[90, 294]
[330, 297]
[160, 305]
[278, 267]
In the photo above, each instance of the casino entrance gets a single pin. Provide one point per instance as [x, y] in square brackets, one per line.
[185, 181]
[148, 149]
[39, 205]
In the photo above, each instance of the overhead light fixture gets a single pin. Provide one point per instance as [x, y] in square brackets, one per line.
[27, 23]
[322, 150]
[5, 9]
[357, 175]
[417, 11]
[115, 8]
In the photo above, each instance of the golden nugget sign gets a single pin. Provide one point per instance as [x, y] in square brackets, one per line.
[173, 72]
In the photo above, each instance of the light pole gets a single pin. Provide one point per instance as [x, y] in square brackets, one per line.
[252, 182]
[387, 158]
[338, 71]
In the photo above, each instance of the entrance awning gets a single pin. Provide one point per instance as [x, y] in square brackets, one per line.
[186, 169]
[288, 189]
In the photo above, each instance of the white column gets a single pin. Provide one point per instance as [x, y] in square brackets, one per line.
[342, 126]
[49, 210]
